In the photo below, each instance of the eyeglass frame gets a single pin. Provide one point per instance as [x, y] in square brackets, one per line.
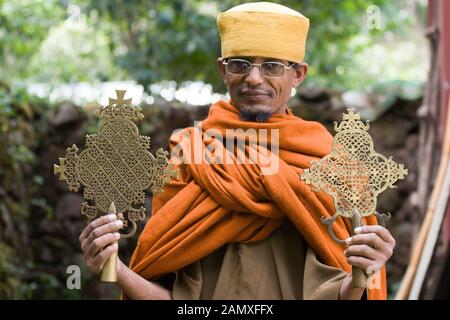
[259, 65]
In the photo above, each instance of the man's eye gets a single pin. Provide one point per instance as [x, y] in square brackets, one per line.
[270, 66]
[238, 66]
[243, 66]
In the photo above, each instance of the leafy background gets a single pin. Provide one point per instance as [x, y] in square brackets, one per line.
[156, 43]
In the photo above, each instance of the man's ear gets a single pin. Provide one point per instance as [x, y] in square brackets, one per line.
[301, 70]
[221, 68]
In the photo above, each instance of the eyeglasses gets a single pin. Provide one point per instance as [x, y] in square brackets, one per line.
[270, 69]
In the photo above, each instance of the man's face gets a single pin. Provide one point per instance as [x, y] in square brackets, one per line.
[257, 94]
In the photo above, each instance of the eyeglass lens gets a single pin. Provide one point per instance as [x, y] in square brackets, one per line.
[270, 69]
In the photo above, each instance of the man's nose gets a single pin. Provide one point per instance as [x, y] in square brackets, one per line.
[254, 77]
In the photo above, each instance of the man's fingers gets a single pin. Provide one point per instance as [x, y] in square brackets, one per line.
[97, 228]
[382, 232]
[109, 227]
[103, 256]
[371, 239]
[101, 242]
[362, 250]
[361, 262]
[95, 224]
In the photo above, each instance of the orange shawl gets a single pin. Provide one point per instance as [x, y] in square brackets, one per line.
[214, 204]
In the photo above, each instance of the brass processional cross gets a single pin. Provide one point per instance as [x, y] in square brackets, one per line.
[115, 169]
[354, 175]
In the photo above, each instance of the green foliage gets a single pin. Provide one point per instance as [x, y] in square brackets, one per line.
[9, 281]
[149, 41]
[153, 41]
[79, 43]
[161, 40]
[32, 237]
[17, 109]
[178, 40]
[341, 30]
[20, 115]
[24, 25]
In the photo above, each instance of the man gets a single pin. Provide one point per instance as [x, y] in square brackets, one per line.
[227, 230]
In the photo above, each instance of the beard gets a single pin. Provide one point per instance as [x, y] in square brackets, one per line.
[246, 115]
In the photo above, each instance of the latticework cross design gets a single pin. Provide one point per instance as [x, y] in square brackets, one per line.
[116, 165]
[353, 173]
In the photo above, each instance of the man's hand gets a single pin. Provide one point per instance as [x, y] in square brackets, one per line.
[370, 248]
[99, 241]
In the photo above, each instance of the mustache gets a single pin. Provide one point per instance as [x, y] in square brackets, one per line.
[247, 115]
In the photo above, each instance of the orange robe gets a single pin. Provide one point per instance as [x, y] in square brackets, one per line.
[212, 204]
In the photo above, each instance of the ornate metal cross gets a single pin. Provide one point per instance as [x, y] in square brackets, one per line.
[116, 166]
[353, 173]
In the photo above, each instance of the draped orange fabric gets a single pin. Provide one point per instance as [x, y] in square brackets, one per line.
[212, 204]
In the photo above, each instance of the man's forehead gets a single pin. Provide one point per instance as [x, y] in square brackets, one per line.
[263, 59]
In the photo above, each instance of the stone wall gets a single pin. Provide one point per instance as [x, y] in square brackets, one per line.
[44, 242]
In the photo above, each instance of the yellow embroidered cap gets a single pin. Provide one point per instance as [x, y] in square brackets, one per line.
[263, 29]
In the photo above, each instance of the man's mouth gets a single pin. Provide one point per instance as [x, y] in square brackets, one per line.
[254, 93]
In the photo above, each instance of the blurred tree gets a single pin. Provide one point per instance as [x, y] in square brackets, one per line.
[73, 52]
[24, 25]
[156, 40]
[178, 39]
[162, 40]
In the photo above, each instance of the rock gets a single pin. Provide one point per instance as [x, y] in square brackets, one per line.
[390, 201]
[47, 255]
[53, 242]
[8, 229]
[68, 206]
[65, 114]
[313, 94]
[403, 234]
[408, 209]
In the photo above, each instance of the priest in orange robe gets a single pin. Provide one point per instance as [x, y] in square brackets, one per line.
[238, 223]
